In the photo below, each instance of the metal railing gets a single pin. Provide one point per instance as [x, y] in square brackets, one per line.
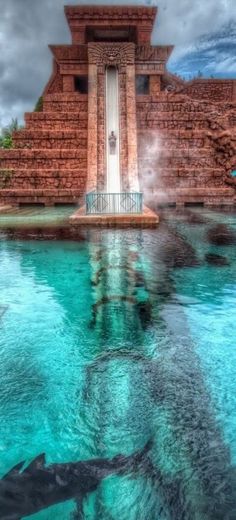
[102, 203]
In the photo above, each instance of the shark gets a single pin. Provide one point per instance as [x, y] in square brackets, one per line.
[27, 490]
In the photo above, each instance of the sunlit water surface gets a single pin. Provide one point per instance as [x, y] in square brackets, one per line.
[111, 341]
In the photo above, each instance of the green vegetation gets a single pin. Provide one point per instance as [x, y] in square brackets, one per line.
[6, 140]
[39, 105]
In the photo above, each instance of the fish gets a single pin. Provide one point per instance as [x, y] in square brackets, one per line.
[27, 490]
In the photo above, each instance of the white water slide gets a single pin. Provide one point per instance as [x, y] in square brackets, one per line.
[112, 130]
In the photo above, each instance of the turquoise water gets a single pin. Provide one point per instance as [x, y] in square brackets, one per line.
[121, 338]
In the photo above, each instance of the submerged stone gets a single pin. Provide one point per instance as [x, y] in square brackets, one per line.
[179, 253]
[214, 259]
[194, 218]
[221, 235]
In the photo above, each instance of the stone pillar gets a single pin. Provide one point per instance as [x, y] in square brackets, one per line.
[68, 83]
[155, 85]
[92, 124]
[133, 181]
[78, 36]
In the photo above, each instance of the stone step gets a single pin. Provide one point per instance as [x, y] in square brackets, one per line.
[181, 133]
[44, 196]
[51, 144]
[38, 139]
[57, 125]
[173, 106]
[43, 153]
[187, 182]
[181, 98]
[56, 120]
[203, 173]
[32, 178]
[155, 115]
[46, 134]
[163, 96]
[173, 132]
[172, 124]
[5, 208]
[56, 116]
[148, 153]
[65, 106]
[154, 165]
[146, 219]
[65, 97]
[46, 173]
[207, 195]
[170, 142]
[57, 164]
[40, 159]
[155, 151]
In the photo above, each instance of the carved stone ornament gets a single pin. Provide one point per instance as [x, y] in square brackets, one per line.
[170, 88]
[111, 53]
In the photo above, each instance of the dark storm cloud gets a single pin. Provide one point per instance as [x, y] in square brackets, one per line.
[28, 26]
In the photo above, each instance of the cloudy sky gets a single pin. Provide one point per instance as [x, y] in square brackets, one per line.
[203, 32]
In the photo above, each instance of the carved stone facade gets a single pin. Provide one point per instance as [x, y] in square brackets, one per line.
[111, 53]
[177, 137]
[100, 56]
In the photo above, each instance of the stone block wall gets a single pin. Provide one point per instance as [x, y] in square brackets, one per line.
[214, 90]
[180, 158]
[48, 163]
[186, 131]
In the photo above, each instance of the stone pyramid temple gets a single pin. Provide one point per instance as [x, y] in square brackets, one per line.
[114, 119]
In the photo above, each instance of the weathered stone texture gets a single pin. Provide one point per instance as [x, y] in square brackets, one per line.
[181, 136]
[186, 144]
[211, 89]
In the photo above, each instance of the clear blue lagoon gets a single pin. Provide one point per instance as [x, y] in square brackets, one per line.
[117, 339]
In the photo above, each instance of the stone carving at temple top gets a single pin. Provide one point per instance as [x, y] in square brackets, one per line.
[111, 53]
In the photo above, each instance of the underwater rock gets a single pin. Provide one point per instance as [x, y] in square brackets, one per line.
[221, 235]
[194, 218]
[178, 253]
[214, 259]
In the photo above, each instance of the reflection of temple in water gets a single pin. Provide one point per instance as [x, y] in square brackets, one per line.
[132, 389]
